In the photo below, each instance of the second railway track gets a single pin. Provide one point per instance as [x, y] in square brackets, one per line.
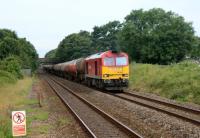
[188, 114]
[94, 120]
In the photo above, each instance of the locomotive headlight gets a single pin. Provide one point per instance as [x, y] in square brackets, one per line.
[106, 75]
[125, 75]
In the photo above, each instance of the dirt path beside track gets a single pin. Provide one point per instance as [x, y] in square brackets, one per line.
[48, 116]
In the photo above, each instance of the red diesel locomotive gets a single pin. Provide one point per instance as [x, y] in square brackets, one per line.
[107, 70]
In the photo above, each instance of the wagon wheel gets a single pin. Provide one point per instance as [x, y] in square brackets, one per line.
[88, 82]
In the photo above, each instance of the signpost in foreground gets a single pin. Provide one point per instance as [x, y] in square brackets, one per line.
[18, 123]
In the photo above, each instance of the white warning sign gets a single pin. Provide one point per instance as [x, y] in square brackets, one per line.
[18, 123]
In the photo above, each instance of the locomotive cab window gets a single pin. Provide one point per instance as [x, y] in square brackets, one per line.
[121, 61]
[109, 61]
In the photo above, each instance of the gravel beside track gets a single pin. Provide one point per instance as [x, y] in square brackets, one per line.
[154, 96]
[97, 123]
[147, 122]
[162, 102]
[192, 116]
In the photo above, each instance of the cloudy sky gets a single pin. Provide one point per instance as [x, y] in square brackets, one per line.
[46, 22]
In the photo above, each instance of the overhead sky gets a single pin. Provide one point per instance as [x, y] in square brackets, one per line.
[46, 22]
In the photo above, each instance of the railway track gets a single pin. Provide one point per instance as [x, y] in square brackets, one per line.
[187, 114]
[181, 112]
[187, 109]
[96, 122]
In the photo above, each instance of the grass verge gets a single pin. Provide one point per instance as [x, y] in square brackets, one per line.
[12, 97]
[6, 78]
[178, 81]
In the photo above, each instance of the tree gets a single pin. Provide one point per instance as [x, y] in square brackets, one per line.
[51, 54]
[11, 45]
[28, 54]
[156, 36]
[195, 54]
[7, 33]
[12, 65]
[74, 46]
[105, 37]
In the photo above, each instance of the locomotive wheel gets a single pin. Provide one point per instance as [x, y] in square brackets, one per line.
[101, 86]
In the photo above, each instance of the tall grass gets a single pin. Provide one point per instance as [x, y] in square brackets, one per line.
[178, 81]
[6, 78]
[12, 97]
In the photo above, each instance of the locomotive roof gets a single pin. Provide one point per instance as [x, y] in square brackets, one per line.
[99, 55]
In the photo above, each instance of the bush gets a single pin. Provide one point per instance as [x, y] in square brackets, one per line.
[12, 65]
[5, 128]
[178, 81]
[6, 77]
[11, 44]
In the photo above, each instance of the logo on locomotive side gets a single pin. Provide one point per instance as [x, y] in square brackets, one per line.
[115, 69]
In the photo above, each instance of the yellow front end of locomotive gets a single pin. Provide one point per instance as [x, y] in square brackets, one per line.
[115, 72]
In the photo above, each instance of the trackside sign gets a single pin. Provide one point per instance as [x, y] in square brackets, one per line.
[18, 123]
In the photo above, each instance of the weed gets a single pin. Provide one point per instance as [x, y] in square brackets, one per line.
[177, 81]
[41, 115]
[62, 121]
[43, 129]
[12, 97]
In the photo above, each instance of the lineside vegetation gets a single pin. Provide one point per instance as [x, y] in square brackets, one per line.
[15, 53]
[177, 81]
[13, 97]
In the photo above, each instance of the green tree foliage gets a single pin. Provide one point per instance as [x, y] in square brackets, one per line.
[28, 54]
[51, 54]
[7, 33]
[8, 46]
[74, 46]
[12, 65]
[6, 78]
[105, 37]
[195, 54]
[11, 45]
[156, 36]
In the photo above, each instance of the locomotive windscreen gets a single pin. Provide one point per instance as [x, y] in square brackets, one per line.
[109, 61]
[121, 61]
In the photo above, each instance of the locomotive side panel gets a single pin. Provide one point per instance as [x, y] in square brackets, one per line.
[93, 68]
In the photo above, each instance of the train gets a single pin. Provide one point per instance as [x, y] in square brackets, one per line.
[105, 70]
